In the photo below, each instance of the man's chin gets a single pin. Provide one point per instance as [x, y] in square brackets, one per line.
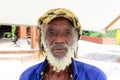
[59, 55]
[59, 63]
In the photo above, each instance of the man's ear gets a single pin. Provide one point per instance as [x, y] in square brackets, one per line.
[79, 36]
[75, 53]
[41, 47]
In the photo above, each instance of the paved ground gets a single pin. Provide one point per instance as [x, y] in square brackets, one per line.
[16, 51]
[8, 44]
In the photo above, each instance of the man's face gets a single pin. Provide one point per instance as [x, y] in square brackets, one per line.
[59, 35]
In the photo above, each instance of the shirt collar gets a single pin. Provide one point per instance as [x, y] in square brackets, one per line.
[74, 68]
[39, 71]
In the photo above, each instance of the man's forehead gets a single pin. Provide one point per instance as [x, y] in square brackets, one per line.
[60, 20]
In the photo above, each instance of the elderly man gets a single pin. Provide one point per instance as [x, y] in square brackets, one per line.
[59, 32]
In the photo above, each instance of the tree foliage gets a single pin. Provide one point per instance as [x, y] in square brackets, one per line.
[111, 33]
[92, 33]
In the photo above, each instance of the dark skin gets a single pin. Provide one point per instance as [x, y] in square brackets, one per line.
[58, 33]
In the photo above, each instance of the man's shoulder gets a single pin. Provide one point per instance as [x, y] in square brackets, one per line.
[26, 75]
[85, 66]
[88, 69]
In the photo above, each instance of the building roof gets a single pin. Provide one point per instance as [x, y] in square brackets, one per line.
[115, 24]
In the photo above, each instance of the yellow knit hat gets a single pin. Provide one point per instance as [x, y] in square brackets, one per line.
[60, 12]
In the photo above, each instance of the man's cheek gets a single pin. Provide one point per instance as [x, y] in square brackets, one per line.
[48, 44]
[70, 42]
[48, 40]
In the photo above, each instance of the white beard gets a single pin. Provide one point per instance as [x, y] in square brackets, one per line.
[59, 63]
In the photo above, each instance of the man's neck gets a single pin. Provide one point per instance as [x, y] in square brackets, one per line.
[49, 74]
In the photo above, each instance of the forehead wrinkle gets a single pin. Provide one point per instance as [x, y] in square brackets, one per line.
[60, 21]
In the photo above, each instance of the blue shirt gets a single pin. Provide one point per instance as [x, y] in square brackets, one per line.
[80, 71]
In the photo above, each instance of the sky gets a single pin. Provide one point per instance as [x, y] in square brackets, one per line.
[93, 14]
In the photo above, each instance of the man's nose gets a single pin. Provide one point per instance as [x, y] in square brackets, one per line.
[59, 39]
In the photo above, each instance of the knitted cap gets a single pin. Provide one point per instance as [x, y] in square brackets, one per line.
[60, 12]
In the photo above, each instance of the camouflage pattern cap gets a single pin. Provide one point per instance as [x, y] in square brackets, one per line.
[60, 12]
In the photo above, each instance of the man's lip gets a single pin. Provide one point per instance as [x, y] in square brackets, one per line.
[59, 49]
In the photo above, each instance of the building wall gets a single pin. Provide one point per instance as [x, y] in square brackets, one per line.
[108, 41]
[92, 39]
[117, 37]
[99, 40]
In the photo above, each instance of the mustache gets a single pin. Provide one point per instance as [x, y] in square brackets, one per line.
[59, 46]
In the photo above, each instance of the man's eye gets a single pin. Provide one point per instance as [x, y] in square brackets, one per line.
[68, 33]
[51, 33]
